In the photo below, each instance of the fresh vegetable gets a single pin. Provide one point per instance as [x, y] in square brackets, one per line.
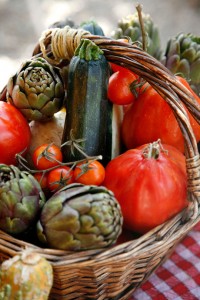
[25, 276]
[36, 90]
[41, 177]
[80, 217]
[47, 156]
[130, 26]
[150, 183]
[62, 23]
[150, 118]
[182, 56]
[123, 87]
[91, 118]
[15, 133]
[93, 27]
[89, 172]
[45, 133]
[21, 199]
[59, 177]
[116, 68]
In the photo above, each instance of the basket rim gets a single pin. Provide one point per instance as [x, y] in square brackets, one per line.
[168, 232]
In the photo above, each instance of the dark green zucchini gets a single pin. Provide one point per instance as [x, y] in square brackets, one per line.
[89, 114]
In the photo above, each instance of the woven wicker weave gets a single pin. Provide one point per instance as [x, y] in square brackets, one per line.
[116, 272]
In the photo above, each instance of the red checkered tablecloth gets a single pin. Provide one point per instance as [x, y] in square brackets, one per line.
[179, 277]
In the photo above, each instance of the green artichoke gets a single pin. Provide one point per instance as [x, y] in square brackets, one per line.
[21, 199]
[130, 27]
[93, 27]
[80, 217]
[182, 56]
[37, 90]
[63, 23]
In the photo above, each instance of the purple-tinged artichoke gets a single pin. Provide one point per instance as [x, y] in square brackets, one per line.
[80, 217]
[37, 90]
[21, 199]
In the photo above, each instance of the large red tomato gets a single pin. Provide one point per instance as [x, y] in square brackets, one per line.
[15, 133]
[150, 185]
[150, 118]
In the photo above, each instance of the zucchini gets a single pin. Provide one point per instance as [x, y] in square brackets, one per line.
[89, 114]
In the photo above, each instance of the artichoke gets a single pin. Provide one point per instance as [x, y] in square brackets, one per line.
[182, 56]
[130, 27]
[93, 27]
[63, 23]
[37, 90]
[80, 217]
[21, 199]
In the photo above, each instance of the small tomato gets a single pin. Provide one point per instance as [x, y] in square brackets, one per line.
[42, 179]
[92, 172]
[123, 87]
[46, 156]
[59, 177]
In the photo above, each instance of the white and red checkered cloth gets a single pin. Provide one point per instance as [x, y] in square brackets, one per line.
[179, 277]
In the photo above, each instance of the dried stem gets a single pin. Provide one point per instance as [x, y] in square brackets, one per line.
[23, 163]
[144, 36]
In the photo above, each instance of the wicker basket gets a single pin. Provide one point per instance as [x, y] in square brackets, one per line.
[116, 272]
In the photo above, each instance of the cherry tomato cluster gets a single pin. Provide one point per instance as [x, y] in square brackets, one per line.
[54, 174]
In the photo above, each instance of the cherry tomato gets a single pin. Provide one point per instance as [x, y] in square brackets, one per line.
[151, 186]
[123, 87]
[89, 173]
[15, 135]
[46, 156]
[42, 179]
[59, 177]
[150, 118]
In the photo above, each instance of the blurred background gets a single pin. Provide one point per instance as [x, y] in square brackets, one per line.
[23, 21]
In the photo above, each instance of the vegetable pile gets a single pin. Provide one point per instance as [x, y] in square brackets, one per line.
[88, 147]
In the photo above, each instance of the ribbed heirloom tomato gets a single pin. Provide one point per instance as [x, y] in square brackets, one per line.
[150, 184]
[15, 133]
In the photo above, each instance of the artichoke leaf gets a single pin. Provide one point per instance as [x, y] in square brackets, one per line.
[18, 98]
[67, 219]
[63, 239]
